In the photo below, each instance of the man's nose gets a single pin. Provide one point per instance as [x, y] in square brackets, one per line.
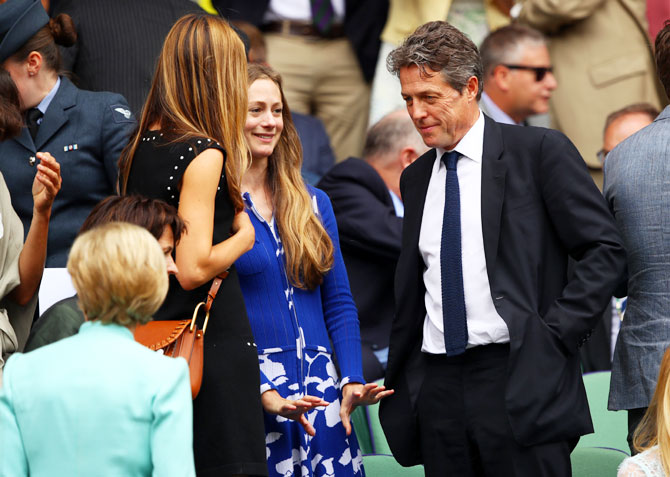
[550, 81]
[417, 111]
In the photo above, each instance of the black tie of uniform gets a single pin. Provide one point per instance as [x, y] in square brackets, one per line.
[32, 118]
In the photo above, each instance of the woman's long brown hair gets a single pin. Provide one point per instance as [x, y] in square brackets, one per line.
[307, 246]
[199, 90]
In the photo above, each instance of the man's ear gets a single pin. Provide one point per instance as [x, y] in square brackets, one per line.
[501, 77]
[472, 88]
[407, 156]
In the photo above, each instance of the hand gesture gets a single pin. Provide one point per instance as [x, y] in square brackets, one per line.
[46, 184]
[273, 403]
[357, 394]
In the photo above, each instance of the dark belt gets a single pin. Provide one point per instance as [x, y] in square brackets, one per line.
[476, 353]
[290, 27]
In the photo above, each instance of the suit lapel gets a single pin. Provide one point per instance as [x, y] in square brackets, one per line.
[56, 115]
[415, 192]
[494, 170]
[25, 140]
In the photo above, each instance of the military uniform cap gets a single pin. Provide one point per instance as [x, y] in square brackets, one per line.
[19, 21]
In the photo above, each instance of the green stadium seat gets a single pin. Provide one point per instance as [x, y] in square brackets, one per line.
[594, 461]
[610, 427]
[381, 465]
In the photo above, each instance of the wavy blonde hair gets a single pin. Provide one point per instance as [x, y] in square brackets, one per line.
[654, 428]
[198, 90]
[307, 246]
[119, 272]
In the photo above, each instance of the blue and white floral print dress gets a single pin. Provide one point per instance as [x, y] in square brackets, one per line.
[293, 329]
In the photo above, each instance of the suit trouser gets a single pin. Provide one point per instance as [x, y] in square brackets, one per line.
[634, 418]
[463, 423]
[323, 77]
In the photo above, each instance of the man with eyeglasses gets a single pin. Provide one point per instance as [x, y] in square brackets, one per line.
[518, 76]
[623, 123]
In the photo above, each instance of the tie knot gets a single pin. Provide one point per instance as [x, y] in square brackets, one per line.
[450, 159]
[33, 116]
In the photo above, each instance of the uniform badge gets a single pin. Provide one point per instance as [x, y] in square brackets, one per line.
[126, 113]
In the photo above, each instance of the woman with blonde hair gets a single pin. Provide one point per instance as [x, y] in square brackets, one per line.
[117, 407]
[652, 436]
[190, 151]
[297, 295]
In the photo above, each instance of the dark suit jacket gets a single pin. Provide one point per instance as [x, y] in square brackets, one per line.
[539, 206]
[317, 155]
[370, 235]
[118, 42]
[98, 124]
[597, 351]
[363, 24]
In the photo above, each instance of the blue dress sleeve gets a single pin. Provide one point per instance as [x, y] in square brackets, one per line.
[339, 310]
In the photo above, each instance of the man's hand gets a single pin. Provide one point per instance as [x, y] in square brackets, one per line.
[357, 394]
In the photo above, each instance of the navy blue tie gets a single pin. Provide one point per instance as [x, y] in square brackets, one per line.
[453, 299]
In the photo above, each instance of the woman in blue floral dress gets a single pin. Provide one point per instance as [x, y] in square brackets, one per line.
[297, 295]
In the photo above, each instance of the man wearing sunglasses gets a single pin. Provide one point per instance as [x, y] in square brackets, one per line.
[518, 77]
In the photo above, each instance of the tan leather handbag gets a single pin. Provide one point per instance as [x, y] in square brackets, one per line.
[183, 338]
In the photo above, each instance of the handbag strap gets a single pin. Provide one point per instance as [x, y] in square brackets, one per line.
[214, 289]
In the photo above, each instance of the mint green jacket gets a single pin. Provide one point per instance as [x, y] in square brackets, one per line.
[96, 403]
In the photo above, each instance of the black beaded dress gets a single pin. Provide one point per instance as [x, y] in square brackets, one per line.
[229, 436]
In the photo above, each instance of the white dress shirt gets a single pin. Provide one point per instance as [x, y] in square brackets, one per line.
[299, 10]
[485, 326]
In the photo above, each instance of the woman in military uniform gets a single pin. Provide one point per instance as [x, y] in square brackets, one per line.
[85, 131]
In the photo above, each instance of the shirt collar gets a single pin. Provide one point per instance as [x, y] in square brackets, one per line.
[471, 145]
[397, 204]
[96, 326]
[497, 114]
[44, 104]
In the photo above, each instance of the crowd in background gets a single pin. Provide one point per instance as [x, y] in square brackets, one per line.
[264, 142]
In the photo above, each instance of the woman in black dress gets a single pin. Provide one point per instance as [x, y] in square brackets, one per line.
[190, 151]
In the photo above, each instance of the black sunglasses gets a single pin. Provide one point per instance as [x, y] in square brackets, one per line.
[540, 71]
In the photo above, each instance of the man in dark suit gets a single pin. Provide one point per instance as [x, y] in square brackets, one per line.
[118, 42]
[366, 200]
[489, 383]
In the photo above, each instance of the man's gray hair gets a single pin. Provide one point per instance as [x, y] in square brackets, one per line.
[440, 47]
[504, 45]
[390, 134]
